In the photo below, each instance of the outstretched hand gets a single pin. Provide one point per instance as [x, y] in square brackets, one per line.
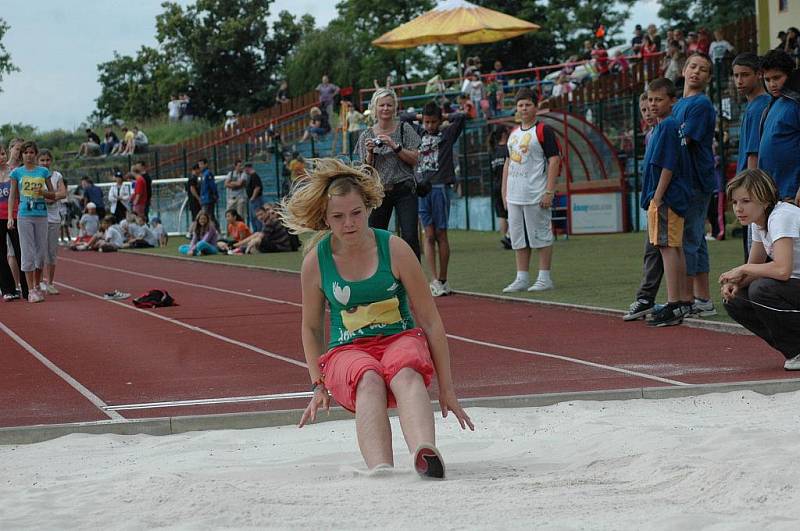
[321, 398]
[448, 402]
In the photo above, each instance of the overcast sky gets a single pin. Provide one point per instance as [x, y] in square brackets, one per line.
[58, 44]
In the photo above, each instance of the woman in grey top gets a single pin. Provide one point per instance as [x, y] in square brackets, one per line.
[391, 147]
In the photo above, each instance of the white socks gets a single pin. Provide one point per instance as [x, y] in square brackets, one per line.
[524, 276]
[544, 276]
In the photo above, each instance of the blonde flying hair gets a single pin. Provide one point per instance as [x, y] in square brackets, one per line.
[381, 93]
[303, 211]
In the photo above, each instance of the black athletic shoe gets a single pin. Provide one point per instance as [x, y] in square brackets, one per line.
[506, 241]
[670, 315]
[428, 462]
[13, 296]
[639, 309]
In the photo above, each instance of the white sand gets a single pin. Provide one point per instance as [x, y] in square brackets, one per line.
[729, 461]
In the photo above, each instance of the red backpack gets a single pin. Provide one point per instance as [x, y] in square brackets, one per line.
[540, 137]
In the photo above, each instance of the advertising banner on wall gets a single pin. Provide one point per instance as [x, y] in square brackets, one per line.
[596, 213]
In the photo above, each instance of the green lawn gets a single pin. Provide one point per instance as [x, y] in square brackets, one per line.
[602, 270]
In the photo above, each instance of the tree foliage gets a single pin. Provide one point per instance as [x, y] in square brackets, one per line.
[222, 52]
[711, 14]
[6, 66]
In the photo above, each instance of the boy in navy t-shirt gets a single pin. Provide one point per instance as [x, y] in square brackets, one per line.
[779, 150]
[749, 84]
[665, 195]
[696, 120]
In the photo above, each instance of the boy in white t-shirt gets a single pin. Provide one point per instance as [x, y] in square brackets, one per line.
[529, 184]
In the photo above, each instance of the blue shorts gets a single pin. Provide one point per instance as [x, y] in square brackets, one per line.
[434, 208]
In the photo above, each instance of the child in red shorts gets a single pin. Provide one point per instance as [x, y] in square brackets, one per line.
[377, 357]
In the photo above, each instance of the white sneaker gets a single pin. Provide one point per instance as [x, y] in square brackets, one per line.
[436, 288]
[517, 285]
[52, 290]
[542, 285]
[792, 364]
[446, 288]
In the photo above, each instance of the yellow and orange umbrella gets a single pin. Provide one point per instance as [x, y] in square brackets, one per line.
[455, 22]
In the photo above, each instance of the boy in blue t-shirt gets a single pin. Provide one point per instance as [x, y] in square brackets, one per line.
[665, 195]
[696, 121]
[750, 85]
[779, 150]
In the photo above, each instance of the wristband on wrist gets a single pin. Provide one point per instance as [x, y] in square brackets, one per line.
[398, 149]
[319, 382]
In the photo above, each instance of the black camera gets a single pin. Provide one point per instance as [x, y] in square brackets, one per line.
[377, 142]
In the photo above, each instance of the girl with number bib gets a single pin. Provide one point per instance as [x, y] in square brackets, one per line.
[31, 184]
[379, 355]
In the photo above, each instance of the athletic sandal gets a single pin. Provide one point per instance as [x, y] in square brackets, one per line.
[428, 462]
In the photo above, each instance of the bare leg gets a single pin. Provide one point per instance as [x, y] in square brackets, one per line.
[414, 407]
[545, 258]
[429, 250]
[503, 227]
[30, 278]
[51, 273]
[372, 421]
[444, 253]
[37, 276]
[523, 257]
[12, 263]
[700, 286]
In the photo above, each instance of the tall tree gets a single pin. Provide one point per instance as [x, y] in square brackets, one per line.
[222, 52]
[693, 14]
[6, 66]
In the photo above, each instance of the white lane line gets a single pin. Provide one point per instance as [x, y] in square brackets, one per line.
[181, 282]
[191, 327]
[566, 358]
[75, 384]
[460, 338]
[210, 401]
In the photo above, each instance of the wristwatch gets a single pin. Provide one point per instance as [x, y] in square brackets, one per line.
[398, 149]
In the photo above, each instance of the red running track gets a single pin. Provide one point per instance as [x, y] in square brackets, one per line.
[234, 344]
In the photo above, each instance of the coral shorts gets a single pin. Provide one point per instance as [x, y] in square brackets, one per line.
[343, 367]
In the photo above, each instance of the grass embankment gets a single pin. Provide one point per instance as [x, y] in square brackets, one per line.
[601, 270]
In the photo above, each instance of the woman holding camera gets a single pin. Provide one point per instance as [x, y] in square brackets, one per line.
[391, 147]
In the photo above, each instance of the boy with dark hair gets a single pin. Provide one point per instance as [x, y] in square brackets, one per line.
[665, 196]
[193, 192]
[696, 118]
[529, 184]
[435, 166]
[208, 190]
[779, 150]
[749, 84]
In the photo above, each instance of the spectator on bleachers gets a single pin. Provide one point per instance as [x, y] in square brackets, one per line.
[475, 90]
[174, 109]
[282, 95]
[692, 43]
[466, 106]
[673, 63]
[619, 63]
[600, 58]
[327, 94]
[649, 48]
[119, 197]
[655, 38]
[636, 41]
[140, 141]
[778, 152]
[703, 41]
[317, 126]
[204, 237]
[90, 148]
[255, 194]
[563, 86]
[236, 189]
[720, 47]
[678, 37]
[231, 122]
[586, 54]
[187, 113]
[128, 145]
[93, 194]
[110, 141]
[355, 120]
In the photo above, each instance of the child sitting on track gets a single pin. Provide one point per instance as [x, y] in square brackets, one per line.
[761, 295]
[377, 357]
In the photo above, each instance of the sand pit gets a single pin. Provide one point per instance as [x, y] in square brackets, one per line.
[726, 461]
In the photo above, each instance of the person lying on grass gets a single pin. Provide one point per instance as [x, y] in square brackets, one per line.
[379, 355]
[764, 295]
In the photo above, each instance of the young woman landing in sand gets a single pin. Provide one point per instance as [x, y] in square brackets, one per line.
[376, 357]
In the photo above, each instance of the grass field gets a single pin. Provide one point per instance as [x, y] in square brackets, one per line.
[601, 270]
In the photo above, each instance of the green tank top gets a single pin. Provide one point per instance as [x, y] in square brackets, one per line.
[375, 306]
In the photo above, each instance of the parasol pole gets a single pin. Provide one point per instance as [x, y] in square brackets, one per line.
[458, 63]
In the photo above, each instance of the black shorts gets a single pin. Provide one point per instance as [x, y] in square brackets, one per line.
[497, 199]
